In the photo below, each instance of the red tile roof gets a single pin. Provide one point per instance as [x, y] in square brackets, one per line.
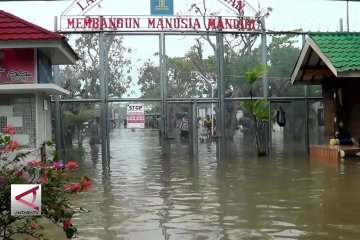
[14, 28]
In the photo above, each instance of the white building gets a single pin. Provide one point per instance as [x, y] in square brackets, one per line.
[27, 53]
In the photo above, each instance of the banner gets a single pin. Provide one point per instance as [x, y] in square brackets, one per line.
[135, 115]
[146, 23]
[18, 66]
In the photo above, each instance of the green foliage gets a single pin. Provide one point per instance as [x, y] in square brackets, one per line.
[180, 81]
[282, 56]
[78, 119]
[255, 74]
[83, 79]
[258, 108]
[239, 64]
[56, 182]
[261, 110]
[248, 106]
[149, 80]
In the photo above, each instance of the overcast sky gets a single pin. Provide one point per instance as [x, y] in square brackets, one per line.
[309, 15]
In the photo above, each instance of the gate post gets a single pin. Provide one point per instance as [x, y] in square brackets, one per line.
[264, 58]
[306, 93]
[193, 138]
[265, 80]
[164, 108]
[220, 123]
[104, 135]
[58, 126]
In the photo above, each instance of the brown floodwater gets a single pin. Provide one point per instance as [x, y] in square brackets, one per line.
[141, 196]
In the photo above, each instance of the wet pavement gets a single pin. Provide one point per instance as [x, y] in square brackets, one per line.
[141, 196]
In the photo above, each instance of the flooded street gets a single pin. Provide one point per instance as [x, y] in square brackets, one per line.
[140, 196]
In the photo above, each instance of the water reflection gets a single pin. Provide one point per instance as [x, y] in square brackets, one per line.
[140, 196]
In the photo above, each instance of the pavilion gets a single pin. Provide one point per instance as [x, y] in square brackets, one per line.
[332, 60]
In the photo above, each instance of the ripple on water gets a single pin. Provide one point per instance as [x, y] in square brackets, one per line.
[142, 196]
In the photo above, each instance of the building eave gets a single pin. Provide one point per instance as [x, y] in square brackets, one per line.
[58, 50]
[323, 57]
[349, 74]
[306, 71]
[46, 88]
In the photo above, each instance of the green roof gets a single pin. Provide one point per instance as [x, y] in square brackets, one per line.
[342, 49]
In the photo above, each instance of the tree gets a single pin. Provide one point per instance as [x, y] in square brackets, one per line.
[239, 56]
[258, 109]
[180, 81]
[56, 183]
[149, 80]
[282, 54]
[83, 79]
[77, 121]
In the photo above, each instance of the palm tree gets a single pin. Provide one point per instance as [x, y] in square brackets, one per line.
[258, 109]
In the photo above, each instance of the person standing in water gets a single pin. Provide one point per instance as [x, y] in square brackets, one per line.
[208, 125]
[160, 126]
[184, 127]
[94, 132]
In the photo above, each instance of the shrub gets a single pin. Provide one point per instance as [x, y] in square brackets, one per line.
[56, 181]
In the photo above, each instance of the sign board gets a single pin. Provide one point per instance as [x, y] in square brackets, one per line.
[18, 65]
[162, 19]
[144, 23]
[162, 7]
[135, 115]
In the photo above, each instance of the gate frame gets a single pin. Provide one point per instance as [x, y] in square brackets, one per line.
[220, 100]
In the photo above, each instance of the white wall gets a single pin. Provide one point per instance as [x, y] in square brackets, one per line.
[43, 119]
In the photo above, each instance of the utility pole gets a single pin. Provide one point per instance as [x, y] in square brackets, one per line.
[347, 16]
[264, 58]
